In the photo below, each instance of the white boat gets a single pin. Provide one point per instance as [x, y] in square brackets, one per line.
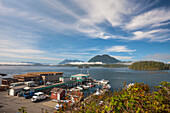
[74, 89]
[79, 87]
[129, 85]
[89, 84]
[108, 86]
[97, 92]
[104, 81]
[86, 87]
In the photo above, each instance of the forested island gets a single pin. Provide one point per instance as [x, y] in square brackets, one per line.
[149, 65]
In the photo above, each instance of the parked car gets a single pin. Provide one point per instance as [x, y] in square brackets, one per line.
[28, 95]
[38, 96]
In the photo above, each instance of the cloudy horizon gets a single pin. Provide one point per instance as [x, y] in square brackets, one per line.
[49, 31]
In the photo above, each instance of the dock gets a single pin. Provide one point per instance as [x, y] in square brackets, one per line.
[69, 84]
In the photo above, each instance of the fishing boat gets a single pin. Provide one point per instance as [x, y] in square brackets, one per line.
[97, 92]
[108, 86]
[104, 81]
[79, 87]
[74, 89]
[86, 87]
[129, 85]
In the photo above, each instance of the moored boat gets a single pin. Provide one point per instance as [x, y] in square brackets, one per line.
[86, 87]
[104, 81]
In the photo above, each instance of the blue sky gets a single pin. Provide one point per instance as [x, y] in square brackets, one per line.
[49, 31]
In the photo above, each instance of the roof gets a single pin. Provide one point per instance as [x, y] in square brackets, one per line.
[57, 90]
[80, 75]
[38, 93]
[19, 87]
[9, 79]
[64, 77]
[44, 73]
[2, 74]
[26, 75]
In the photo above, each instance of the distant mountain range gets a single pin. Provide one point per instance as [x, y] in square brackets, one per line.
[104, 59]
[23, 64]
[67, 61]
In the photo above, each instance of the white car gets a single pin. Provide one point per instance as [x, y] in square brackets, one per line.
[38, 96]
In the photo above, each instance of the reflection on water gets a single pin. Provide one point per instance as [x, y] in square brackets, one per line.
[116, 76]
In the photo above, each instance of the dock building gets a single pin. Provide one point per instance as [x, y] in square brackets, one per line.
[39, 76]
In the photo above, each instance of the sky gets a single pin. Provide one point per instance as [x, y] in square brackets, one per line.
[49, 31]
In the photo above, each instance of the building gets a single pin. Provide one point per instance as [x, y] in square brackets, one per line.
[15, 90]
[26, 77]
[80, 77]
[40, 76]
[8, 81]
[58, 93]
[48, 76]
[1, 77]
[64, 79]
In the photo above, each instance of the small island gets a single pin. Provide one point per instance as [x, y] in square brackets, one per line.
[149, 65]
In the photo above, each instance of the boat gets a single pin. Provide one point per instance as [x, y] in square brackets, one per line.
[79, 87]
[104, 81]
[90, 84]
[97, 92]
[108, 86]
[74, 89]
[129, 85]
[86, 87]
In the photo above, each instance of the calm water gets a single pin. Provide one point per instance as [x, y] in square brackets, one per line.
[116, 76]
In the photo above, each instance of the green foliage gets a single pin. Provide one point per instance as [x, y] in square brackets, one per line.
[136, 99]
[22, 110]
[149, 65]
[114, 65]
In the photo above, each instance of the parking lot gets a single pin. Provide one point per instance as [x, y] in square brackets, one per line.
[11, 104]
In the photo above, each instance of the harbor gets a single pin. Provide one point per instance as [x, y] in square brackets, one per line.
[52, 88]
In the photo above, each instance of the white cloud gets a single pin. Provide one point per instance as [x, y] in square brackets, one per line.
[21, 24]
[152, 17]
[160, 24]
[81, 63]
[119, 48]
[28, 56]
[153, 35]
[28, 51]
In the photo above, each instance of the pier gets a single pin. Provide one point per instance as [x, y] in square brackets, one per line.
[44, 87]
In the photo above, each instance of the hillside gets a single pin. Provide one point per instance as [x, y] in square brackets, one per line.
[66, 61]
[104, 59]
[136, 99]
[149, 65]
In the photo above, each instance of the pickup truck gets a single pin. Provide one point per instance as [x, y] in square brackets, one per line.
[38, 96]
[28, 94]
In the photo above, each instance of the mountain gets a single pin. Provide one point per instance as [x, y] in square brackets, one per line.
[35, 63]
[104, 59]
[66, 61]
[23, 64]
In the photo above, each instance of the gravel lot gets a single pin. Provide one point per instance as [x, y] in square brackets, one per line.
[10, 104]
